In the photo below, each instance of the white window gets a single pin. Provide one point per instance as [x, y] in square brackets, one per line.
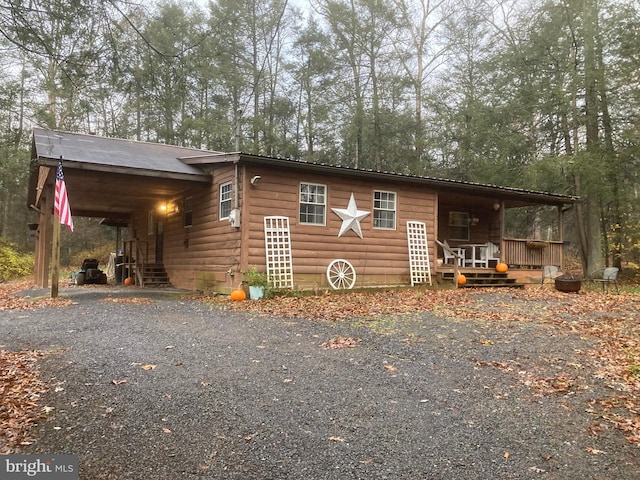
[459, 225]
[188, 211]
[313, 203]
[225, 200]
[384, 210]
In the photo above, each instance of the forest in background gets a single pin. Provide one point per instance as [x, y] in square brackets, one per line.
[537, 94]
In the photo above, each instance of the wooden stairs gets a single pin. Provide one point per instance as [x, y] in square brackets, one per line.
[154, 275]
[483, 278]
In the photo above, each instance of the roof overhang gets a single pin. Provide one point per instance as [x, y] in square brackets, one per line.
[111, 178]
[510, 197]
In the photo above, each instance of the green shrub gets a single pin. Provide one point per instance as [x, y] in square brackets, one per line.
[13, 262]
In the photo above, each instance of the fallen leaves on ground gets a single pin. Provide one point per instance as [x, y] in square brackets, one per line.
[20, 391]
[128, 300]
[10, 301]
[611, 320]
[340, 342]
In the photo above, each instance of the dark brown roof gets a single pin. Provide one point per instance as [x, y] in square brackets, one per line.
[515, 196]
[113, 154]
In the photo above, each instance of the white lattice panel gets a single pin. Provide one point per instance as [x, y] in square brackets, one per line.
[418, 253]
[277, 239]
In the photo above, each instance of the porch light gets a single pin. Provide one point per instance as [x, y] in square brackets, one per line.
[496, 206]
[255, 180]
[169, 208]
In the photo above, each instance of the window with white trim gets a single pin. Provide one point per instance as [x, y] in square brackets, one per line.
[188, 211]
[225, 200]
[384, 210]
[313, 203]
[459, 225]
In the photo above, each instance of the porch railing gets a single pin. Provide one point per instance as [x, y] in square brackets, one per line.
[531, 253]
[136, 254]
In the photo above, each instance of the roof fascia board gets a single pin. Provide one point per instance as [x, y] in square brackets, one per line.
[94, 167]
[211, 159]
[437, 183]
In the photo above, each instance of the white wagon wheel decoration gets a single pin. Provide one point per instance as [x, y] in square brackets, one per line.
[341, 274]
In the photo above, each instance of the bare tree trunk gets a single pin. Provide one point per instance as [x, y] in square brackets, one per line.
[616, 222]
[591, 237]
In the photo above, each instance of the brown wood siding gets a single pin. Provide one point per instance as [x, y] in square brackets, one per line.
[379, 258]
[199, 257]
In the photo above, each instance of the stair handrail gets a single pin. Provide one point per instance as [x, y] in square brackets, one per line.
[456, 268]
[135, 256]
[142, 255]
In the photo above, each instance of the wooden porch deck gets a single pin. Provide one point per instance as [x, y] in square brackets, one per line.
[525, 258]
[489, 277]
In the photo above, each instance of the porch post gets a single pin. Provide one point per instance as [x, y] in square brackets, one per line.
[502, 244]
[561, 235]
[45, 237]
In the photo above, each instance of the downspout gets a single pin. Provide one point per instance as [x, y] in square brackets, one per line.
[236, 179]
[234, 215]
[236, 197]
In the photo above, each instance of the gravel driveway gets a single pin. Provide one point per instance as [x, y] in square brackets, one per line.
[175, 388]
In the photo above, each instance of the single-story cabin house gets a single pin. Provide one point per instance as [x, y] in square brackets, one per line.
[202, 218]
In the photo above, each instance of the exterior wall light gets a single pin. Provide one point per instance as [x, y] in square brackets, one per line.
[255, 180]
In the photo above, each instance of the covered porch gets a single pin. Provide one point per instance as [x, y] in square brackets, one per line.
[522, 229]
[524, 258]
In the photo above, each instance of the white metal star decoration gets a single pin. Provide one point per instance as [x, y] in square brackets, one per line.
[351, 217]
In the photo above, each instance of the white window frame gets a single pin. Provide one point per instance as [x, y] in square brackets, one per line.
[381, 205]
[188, 212]
[225, 198]
[458, 222]
[314, 203]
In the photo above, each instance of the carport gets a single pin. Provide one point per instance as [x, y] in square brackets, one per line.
[106, 178]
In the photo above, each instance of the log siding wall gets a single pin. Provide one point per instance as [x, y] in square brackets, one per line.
[211, 255]
[379, 258]
[206, 255]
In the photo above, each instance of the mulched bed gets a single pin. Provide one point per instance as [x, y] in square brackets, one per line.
[599, 373]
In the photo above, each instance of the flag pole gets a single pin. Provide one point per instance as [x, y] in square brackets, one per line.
[61, 213]
[55, 270]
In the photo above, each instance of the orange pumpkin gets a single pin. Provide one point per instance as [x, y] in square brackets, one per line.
[238, 295]
[461, 279]
[129, 281]
[502, 267]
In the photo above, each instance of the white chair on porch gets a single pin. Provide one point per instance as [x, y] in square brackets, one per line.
[490, 254]
[449, 254]
[483, 254]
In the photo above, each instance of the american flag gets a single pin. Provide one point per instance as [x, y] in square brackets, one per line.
[61, 203]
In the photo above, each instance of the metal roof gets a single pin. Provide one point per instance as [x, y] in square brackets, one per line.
[518, 196]
[171, 168]
[113, 154]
